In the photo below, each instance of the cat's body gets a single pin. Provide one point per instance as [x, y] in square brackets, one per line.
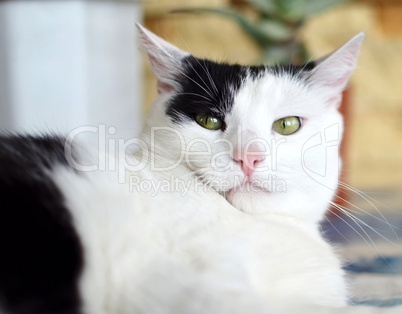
[242, 237]
[132, 252]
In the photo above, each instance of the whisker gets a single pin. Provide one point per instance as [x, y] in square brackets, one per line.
[359, 221]
[211, 80]
[304, 66]
[336, 229]
[178, 69]
[194, 94]
[363, 233]
[205, 70]
[385, 221]
[361, 194]
[358, 233]
[206, 85]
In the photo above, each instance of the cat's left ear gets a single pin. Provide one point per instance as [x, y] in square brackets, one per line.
[166, 59]
[333, 71]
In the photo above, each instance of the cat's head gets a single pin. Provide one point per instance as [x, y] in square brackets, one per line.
[266, 138]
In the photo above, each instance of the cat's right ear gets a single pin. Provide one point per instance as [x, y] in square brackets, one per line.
[166, 59]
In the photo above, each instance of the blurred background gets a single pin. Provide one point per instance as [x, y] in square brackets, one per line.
[69, 63]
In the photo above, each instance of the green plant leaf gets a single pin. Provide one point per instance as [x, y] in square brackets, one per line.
[275, 55]
[268, 7]
[253, 30]
[291, 10]
[315, 6]
[276, 31]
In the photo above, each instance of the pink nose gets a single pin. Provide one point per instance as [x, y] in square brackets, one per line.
[248, 161]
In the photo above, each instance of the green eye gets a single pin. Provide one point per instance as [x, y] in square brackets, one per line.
[287, 126]
[209, 122]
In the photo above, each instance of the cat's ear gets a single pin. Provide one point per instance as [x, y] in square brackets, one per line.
[333, 71]
[166, 59]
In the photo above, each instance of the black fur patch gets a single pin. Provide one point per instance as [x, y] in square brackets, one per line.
[301, 71]
[209, 88]
[41, 254]
[206, 87]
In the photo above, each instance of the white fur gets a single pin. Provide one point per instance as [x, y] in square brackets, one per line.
[193, 252]
[169, 254]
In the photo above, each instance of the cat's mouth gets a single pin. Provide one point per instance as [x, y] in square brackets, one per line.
[248, 186]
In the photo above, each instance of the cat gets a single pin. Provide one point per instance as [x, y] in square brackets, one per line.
[216, 211]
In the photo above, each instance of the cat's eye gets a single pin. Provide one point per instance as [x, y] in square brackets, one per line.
[287, 126]
[209, 122]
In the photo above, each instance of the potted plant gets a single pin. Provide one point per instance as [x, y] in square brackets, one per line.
[274, 25]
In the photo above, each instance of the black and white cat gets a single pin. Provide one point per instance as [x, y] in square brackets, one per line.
[242, 166]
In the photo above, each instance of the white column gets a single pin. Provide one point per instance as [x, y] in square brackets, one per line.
[65, 64]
